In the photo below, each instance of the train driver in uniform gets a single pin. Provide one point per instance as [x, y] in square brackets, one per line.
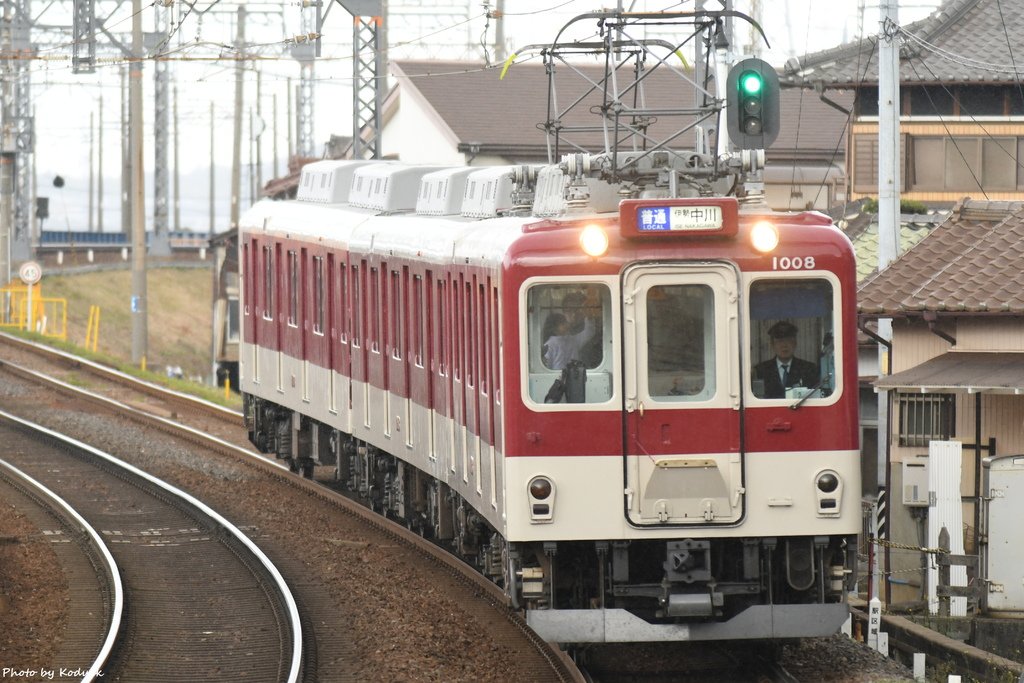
[783, 371]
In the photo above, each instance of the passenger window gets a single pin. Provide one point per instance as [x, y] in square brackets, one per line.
[791, 343]
[569, 335]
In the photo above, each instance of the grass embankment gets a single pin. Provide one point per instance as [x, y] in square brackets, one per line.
[179, 322]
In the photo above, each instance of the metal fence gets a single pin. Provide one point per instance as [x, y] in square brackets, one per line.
[24, 308]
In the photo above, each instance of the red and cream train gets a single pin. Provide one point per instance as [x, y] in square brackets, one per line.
[558, 385]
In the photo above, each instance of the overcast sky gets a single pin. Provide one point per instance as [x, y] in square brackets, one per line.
[63, 102]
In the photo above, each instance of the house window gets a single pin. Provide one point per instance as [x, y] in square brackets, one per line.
[926, 417]
[931, 100]
[961, 164]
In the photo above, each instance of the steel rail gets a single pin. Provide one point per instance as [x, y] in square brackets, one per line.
[110, 565]
[200, 509]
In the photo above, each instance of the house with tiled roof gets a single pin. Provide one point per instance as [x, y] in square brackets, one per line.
[956, 301]
[961, 105]
[466, 113]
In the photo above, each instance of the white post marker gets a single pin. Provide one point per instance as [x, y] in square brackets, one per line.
[883, 643]
[919, 668]
[874, 622]
[30, 273]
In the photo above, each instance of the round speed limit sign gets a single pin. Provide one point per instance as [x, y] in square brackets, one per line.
[30, 272]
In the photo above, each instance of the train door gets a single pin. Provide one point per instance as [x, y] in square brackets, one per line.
[683, 456]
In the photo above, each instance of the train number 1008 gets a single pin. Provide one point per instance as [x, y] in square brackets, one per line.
[793, 263]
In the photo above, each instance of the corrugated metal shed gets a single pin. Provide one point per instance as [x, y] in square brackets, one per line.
[961, 371]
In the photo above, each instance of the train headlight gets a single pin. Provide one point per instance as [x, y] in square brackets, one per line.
[828, 488]
[764, 236]
[594, 240]
[828, 482]
[540, 488]
[541, 499]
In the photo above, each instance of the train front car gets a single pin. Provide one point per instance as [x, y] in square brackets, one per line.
[681, 460]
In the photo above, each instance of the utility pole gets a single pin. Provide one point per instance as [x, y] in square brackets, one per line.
[304, 54]
[159, 240]
[126, 157]
[177, 165]
[888, 221]
[213, 167]
[277, 167]
[257, 135]
[92, 166]
[236, 156]
[99, 171]
[288, 118]
[499, 31]
[140, 332]
[17, 137]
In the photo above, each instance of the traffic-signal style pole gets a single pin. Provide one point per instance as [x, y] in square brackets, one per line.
[752, 104]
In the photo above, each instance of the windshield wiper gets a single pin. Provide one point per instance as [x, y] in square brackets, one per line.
[811, 392]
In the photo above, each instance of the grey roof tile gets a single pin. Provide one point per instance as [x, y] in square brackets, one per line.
[973, 263]
[480, 107]
[975, 41]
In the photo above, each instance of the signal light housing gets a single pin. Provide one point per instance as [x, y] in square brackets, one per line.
[752, 104]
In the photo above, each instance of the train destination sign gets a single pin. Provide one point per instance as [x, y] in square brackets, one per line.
[686, 218]
[659, 218]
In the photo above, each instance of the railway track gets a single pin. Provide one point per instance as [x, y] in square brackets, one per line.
[95, 607]
[204, 602]
[295, 506]
[715, 662]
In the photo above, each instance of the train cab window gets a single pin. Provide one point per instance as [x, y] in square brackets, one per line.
[680, 342]
[792, 327]
[569, 332]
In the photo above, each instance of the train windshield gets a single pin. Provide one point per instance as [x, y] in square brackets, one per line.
[569, 337]
[680, 342]
[791, 339]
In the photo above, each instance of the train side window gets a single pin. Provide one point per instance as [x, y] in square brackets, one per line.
[374, 339]
[358, 333]
[568, 336]
[397, 332]
[442, 354]
[268, 283]
[293, 288]
[792, 328]
[318, 295]
[418, 320]
[343, 304]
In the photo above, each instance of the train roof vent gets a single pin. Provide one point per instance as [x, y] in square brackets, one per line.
[328, 181]
[556, 196]
[488, 192]
[387, 187]
[441, 192]
[550, 193]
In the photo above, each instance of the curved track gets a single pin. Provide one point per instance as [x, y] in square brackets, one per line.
[95, 606]
[218, 430]
[204, 603]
